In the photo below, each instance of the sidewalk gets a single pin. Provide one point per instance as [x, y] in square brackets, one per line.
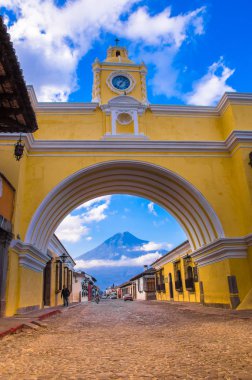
[10, 325]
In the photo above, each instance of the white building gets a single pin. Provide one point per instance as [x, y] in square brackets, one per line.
[143, 285]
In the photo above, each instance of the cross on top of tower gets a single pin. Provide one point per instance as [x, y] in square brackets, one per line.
[116, 41]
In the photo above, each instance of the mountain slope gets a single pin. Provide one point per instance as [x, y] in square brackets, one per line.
[113, 248]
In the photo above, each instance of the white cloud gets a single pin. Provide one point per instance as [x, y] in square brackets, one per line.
[89, 238]
[51, 40]
[210, 88]
[159, 28]
[95, 214]
[151, 208]
[71, 229]
[124, 261]
[151, 246]
[90, 203]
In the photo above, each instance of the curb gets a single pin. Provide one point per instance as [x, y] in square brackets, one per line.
[12, 330]
[50, 314]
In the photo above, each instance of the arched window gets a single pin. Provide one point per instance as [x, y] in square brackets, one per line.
[118, 53]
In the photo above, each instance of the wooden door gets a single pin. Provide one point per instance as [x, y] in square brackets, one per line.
[47, 284]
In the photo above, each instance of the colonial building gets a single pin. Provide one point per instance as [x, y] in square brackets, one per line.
[177, 277]
[193, 161]
[143, 285]
[83, 285]
[126, 288]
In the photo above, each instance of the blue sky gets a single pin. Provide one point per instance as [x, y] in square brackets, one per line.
[99, 219]
[194, 50]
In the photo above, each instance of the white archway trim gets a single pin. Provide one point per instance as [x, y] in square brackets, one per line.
[160, 185]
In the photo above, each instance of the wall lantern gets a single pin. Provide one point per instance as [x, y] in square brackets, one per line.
[64, 258]
[188, 258]
[250, 159]
[19, 149]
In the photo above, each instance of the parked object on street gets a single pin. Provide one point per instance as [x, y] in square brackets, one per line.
[113, 297]
[127, 297]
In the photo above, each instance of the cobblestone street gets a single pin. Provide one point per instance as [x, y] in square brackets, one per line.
[133, 340]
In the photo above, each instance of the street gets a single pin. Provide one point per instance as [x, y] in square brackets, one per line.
[133, 340]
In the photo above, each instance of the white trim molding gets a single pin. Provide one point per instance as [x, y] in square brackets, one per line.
[227, 99]
[221, 249]
[132, 143]
[29, 256]
[173, 255]
[123, 104]
[56, 246]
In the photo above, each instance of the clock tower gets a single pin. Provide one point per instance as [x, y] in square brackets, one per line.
[119, 86]
[118, 75]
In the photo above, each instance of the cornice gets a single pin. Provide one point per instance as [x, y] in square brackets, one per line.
[129, 143]
[234, 98]
[29, 256]
[221, 249]
[227, 99]
[172, 256]
[60, 107]
[57, 247]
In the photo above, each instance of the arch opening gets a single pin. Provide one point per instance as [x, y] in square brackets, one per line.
[161, 186]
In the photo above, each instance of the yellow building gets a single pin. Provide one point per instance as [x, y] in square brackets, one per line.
[177, 277]
[193, 161]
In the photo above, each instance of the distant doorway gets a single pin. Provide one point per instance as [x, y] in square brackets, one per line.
[170, 286]
[47, 284]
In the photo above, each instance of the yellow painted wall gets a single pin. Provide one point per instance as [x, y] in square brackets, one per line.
[215, 282]
[241, 269]
[13, 284]
[216, 182]
[30, 280]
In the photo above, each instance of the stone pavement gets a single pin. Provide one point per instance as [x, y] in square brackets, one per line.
[133, 340]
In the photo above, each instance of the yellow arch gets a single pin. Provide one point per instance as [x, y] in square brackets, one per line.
[160, 185]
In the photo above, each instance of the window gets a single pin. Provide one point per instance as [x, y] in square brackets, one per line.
[58, 276]
[150, 285]
[189, 278]
[178, 278]
[140, 284]
[118, 53]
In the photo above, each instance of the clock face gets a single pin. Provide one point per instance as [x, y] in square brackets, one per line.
[121, 82]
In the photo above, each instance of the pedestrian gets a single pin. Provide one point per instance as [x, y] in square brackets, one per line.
[65, 293]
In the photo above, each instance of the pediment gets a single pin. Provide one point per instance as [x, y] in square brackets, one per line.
[124, 100]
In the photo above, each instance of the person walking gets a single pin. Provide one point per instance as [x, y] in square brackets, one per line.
[65, 293]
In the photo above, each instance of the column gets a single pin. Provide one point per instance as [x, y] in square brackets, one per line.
[5, 239]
